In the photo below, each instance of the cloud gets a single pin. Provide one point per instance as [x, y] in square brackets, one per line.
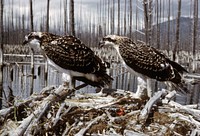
[86, 11]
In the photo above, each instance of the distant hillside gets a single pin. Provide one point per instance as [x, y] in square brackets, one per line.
[185, 33]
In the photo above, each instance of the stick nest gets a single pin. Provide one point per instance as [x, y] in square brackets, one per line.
[58, 111]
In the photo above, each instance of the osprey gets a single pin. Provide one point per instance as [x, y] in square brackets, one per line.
[69, 55]
[145, 61]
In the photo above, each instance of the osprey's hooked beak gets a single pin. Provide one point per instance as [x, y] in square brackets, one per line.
[101, 43]
[25, 40]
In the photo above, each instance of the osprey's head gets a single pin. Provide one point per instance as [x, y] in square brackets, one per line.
[113, 40]
[38, 39]
[33, 38]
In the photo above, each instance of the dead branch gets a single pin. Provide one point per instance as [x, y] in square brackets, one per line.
[52, 112]
[146, 110]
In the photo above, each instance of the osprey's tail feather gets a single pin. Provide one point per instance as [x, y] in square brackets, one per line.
[102, 81]
[182, 86]
[105, 80]
[179, 82]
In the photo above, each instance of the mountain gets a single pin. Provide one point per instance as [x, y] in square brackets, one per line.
[186, 29]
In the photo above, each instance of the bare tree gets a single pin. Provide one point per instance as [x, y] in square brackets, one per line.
[195, 27]
[146, 19]
[168, 26]
[158, 24]
[125, 18]
[72, 24]
[136, 21]
[65, 17]
[31, 15]
[177, 31]
[47, 21]
[150, 16]
[112, 14]
[1, 52]
[131, 16]
[108, 17]
[118, 25]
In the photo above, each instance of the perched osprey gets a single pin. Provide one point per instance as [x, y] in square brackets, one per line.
[69, 55]
[145, 61]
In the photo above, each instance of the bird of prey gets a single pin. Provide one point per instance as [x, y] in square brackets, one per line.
[71, 56]
[145, 61]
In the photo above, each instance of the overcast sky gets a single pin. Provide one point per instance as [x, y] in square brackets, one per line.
[86, 7]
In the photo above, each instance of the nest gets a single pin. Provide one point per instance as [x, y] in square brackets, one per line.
[60, 111]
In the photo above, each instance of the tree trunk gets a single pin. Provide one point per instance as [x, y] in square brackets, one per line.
[168, 28]
[125, 19]
[195, 28]
[131, 16]
[177, 31]
[1, 53]
[118, 25]
[145, 4]
[31, 15]
[157, 25]
[47, 21]
[72, 24]
[65, 17]
[150, 15]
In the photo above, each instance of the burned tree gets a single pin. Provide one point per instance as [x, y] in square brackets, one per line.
[72, 23]
[47, 21]
[31, 14]
[177, 31]
[1, 51]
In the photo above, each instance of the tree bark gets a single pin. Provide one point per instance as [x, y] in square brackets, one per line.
[145, 4]
[65, 17]
[1, 53]
[72, 24]
[125, 19]
[47, 21]
[31, 14]
[168, 28]
[177, 31]
[195, 28]
[118, 25]
[131, 16]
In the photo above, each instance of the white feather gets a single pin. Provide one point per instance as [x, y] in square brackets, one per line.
[72, 73]
[125, 65]
[35, 44]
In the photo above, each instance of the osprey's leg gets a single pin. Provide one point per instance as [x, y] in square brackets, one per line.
[150, 91]
[100, 93]
[73, 82]
[141, 88]
[69, 81]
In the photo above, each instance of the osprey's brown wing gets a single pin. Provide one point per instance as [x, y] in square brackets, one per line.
[145, 60]
[70, 53]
